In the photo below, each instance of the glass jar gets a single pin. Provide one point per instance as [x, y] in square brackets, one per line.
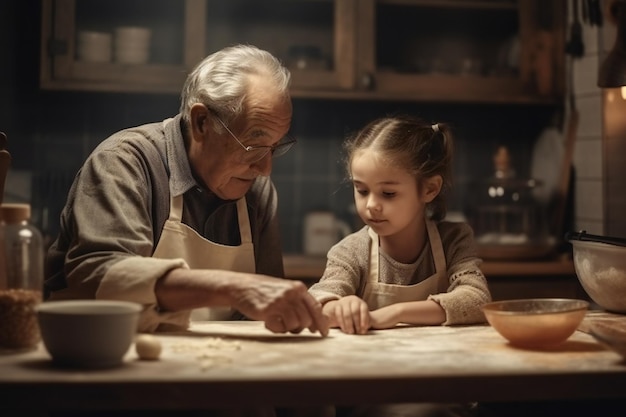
[21, 277]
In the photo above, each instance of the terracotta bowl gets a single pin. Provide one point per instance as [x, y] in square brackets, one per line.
[536, 322]
[88, 333]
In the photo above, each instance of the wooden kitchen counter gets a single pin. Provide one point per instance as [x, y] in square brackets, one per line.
[219, 364]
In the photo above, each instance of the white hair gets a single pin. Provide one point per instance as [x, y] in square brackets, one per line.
[220, 80]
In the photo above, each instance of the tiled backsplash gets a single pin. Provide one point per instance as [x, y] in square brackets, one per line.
[588, 147]
[311, 176]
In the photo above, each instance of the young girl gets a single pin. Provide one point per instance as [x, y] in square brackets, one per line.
[405, 265]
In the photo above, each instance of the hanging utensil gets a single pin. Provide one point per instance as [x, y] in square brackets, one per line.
[558, 214]
[595, 13]
[575, 46]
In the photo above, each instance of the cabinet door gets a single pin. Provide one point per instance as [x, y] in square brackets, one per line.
[68, 63]
[314, 38]
[462, 50]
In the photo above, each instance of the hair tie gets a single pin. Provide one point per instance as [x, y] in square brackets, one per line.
[435, 127]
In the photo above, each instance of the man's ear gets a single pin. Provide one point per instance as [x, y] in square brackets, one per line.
[199, 120]
[431, 188]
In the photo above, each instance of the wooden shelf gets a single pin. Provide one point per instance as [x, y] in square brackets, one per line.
[350, 35]
[552, 267]
[303, 267]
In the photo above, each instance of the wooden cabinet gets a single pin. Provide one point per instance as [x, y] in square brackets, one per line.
[415, 50]
[172, 52]
[185, 31]
[476, 51]
[316, 39]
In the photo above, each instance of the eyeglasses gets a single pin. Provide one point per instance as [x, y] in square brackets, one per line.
[254, 154]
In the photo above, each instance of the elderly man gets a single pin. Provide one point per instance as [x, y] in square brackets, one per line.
[181, 215]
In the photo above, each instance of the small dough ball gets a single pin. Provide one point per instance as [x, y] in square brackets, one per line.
[147, 347]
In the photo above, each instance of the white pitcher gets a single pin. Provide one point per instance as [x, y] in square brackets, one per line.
[322, 229]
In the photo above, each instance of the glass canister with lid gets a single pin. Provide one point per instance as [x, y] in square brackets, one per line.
[21, 277]
[508, 221]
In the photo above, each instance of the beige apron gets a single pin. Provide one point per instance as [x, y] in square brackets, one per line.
[180, 241]
[377, 294]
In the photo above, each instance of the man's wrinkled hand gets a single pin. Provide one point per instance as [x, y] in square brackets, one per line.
[284, 305]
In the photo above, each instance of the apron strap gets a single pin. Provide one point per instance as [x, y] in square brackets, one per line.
[374, 259]
[176, 215]
[436, 247]
[176, 208]
[244, 220]
[439, 255]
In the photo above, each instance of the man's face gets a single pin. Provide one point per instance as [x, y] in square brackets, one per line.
[216, 159]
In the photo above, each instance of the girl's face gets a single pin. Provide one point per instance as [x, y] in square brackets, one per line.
[386, 196]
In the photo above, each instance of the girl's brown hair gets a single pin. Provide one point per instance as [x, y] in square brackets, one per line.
[423, 149]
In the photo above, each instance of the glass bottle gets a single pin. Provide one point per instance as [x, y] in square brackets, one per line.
[21, 277]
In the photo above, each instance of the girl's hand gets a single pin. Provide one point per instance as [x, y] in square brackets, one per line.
[425, 313]
[385, 317]
[349, 313]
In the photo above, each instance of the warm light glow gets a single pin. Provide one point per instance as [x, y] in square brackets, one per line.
[624, 92]
[610, 96]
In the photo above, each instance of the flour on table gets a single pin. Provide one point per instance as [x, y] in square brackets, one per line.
[209, 352]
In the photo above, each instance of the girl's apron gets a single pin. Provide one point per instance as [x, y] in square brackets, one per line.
[180, 241]
[377, 294]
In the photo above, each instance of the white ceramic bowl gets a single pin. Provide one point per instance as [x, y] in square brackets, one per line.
[88, 333]
[601, 270]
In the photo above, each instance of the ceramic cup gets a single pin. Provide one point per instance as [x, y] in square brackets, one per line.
[132, 44]
[94, 46]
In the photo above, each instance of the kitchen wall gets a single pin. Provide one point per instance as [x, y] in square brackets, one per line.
[52, 132]
[614, 148]
[588, 158]
[601, 141]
